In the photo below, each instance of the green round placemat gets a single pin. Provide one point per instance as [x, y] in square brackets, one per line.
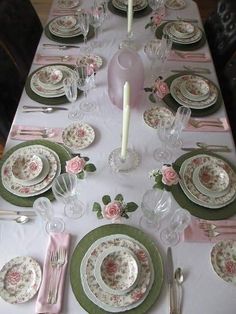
[189, 47]
[136, 14]
[44, 100]
[197, 210]
[70, 40]
[103, 231]
[63, 155]
[174, 105]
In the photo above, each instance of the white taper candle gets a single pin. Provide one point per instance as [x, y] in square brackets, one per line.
[130, 15]
[126, 119]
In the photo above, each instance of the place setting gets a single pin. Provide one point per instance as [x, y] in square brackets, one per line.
[120, 7]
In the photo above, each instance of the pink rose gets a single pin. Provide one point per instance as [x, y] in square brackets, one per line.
[156, 19]
[75, 165]
[169, 176]
[230, 267]
[13, 277]
[161, 88]
[112, 210]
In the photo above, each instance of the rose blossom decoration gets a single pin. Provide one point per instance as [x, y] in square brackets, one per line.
[78, 165]
[112, 210]
[165, 177]
[161, 89]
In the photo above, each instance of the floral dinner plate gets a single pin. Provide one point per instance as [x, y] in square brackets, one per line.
[223, 260]
[154, 115]
[20, 279]
[197, 35]
[175, 4]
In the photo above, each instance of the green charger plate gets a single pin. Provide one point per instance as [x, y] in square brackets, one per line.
[174, 105]
[44, 100]
[197, 210]
[63, 155]
[136, 14]
[103, 231]
[69, 40]
[189, 47]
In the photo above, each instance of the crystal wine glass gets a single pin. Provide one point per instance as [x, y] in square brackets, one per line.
[155, 206]
[96, 20]
[83, 22]
[71, 92]
[151, 49]
[44, 209]
[164, 51]
[65, 189]
[170, 235]
[162, 153]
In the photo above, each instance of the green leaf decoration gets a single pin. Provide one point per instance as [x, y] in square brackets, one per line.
[158, 183]
[80, 175]
[148, 25]
[86, 158]
[96, 207]
[148, 89]
[152, 98]
[124, 215]
[131, 207]
[90, 168]
[99, 214]
[106, 199]
[176, 167]
[119, 197]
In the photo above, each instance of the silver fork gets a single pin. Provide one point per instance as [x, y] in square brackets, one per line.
[53, 264]
[60, 262]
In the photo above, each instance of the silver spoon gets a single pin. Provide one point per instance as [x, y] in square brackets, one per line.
[179, 279]
[19, 219]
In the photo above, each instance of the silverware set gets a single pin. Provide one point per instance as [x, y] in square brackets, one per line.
[42, 109]
[20, 217]
[186, 55]
[210, 147]
[55, 58]
[57, 260]
[211, 230]
[203, 123]
[198, 70]
[58, 46]
[44, 133]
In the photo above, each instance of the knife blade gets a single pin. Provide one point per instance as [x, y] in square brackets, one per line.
[216, 150]
[170, 278]
[18, 212]
[45, 107]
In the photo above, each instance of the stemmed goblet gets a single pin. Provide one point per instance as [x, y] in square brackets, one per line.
[65, 189]
[164, 52]
[83, 22]
[44, 209]
[151, 50]
[96, 20]
[71, 92]
[162, 153]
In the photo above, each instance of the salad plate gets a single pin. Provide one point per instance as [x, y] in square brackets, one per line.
[78, 136]
[114, 302]
[175, 4]
[66, 22]
[27, 167]
[175, 91]
[190, 189]
[154, 115]
[20, 279]
[68, 4]
[223, 260]
[195, 88]
[181, 29]
[18, 189]
[63, 32]
[120, 5]
[50, 75]
[197, 35]
[117, 270]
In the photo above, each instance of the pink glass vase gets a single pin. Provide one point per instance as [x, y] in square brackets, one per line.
[125, 65]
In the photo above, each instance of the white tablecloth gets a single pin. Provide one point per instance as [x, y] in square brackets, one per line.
[204, 291]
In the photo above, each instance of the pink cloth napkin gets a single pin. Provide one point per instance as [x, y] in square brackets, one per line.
[41, 59]
[224, 121]
[56, 241]
[189, 56]
[195, 233]
[16, 135]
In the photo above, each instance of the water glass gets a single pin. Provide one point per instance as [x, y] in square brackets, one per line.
[44, 209]
[151, 50]
[164, 51]
[65, 189]
[155, 207]
[97, 18]
[83, 22]
[180, 220]
[162, 153]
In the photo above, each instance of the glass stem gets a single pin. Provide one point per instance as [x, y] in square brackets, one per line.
[85, 40]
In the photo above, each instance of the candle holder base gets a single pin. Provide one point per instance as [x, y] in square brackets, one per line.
[128, 42]
[118, 164]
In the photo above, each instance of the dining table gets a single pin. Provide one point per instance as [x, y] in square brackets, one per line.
[203, 290]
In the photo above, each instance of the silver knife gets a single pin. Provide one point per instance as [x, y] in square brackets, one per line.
[217, 150]
[45, 107]
[18, 212]
[170, 279]
[60, 46]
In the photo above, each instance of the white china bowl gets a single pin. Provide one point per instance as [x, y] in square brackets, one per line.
[27, 167]
[50, 76]
[211, 179]
[117, 270]
[195, 89]
[182, 29]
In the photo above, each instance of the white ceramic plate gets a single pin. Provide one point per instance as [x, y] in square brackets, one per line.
[67, 4]
[175, 4]
[181, 99]
[185, 41]
[50, 75]
[20, 279]
[26, 191]
[55, 27]
[27, 167]
[223, 260]
[109, 302]
[78, 136]
[191, 191]
[154, 115]
[123, 7]
[195, 89]
[181, 29]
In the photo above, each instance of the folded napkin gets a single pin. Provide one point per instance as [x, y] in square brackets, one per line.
[224, 121]
[189, 56]
[15, 134]
[42, 59]
[56, 242]
[210, 230]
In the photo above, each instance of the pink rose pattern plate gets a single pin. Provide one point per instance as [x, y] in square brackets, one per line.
[20, 279]
[190, 189]
[57, 29]
[90, 60]
[113, 302]
[26, 191]
[154, 115]
[223, 260]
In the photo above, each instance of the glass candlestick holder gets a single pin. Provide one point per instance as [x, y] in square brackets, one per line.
[119, 164]
[128, 42]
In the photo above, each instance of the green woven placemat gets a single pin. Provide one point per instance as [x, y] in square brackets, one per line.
[136, 14]
[44, 100]
[189, 47]
[174, 105]
[103, 231]
[194, 209]
[63, 155]
[70, 40]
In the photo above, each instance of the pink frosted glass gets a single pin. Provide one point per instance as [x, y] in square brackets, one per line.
[125, 65]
